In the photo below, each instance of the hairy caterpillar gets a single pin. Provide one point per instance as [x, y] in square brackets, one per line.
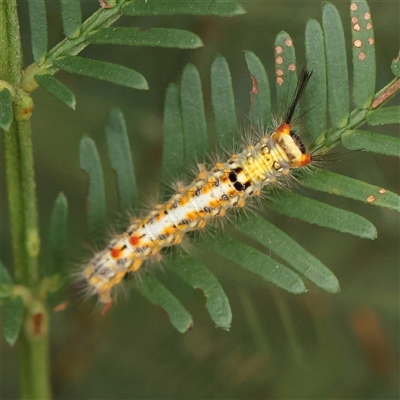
[225, 186]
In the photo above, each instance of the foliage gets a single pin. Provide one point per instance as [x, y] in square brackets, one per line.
[186, 141]
[25, 296]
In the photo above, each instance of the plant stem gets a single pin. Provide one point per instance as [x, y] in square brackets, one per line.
[100, 19]
[358, 117]
[33, 341]
[34, 360]
[3, 43]
[14, 198]
[14, 42]
[22, 113]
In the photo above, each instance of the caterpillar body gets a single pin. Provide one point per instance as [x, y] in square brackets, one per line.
[225, 186]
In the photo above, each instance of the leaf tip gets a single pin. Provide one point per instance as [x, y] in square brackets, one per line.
[298, 287]
[370, 232]
[72, 104]
[332, 285]
[396, 65]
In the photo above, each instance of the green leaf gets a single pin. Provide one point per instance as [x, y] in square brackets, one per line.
[260, 107]
[38, 23]
[89, 161]
[289, 250]
[56, 89]
[121, 159]
[173, 149]
[374, 142]
[58, 234]
[383, 116]
[158, 37]
[6, 111]
[396, 66]
[193, 118]
[256, 262]
[336, 66]
[102, 70]
[71, 15]
[223, 8]
[315, 212]
[223, 102]
[157, 293]
[199, 277]
[363, 46]
[5, 282]
[315, 95]
[340, 185]
[285, 70]
[13, 319]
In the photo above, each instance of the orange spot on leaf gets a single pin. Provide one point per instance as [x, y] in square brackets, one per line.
[370, 199]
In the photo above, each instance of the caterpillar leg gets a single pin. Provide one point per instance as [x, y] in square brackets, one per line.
[106, 307]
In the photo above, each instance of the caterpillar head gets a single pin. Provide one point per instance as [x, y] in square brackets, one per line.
[292, 146]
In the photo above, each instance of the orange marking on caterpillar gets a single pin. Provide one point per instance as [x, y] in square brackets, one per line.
[115, 253]
[134, 240]
[192, 215]
[214, 203]
[169, 230]
[184, 200]
[304, 160]
[208, 187]
[284, 129]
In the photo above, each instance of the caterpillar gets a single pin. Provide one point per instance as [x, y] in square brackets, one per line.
[225, 186]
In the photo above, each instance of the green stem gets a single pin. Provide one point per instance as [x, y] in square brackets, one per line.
[357, 117]
[34, 358]
[100, 19]
[4, 62]
[22, 113]
[33, 341]
[14, 43]
[14, 191]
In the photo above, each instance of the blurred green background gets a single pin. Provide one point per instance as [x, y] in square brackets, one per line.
[280, 346]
